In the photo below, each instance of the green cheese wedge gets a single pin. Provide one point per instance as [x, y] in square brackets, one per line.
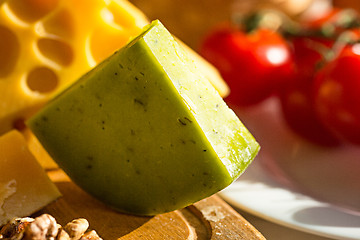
[144, 131]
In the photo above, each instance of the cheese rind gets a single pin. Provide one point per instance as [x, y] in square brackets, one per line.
[24, 186]
[144, 131]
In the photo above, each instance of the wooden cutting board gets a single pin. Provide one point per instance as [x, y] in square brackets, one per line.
[210, 218]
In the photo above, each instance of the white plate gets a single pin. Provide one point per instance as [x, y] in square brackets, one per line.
[296, 184]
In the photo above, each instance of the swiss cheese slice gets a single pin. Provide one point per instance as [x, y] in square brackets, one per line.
[47, 45]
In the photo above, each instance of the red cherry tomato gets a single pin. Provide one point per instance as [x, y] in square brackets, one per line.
[254, 65]
[337, 94]
[296, 96]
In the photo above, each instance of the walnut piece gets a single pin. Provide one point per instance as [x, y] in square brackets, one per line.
[14, 229]
[62, 235]
[76, 228]
[91, 235]
[45, 227]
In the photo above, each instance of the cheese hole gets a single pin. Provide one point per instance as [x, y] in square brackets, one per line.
[32, 10]
[9, 51]
[19, 124]
[60, 23]
[56, 50]
[42, 80]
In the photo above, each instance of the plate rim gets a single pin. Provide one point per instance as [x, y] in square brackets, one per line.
[255, 169]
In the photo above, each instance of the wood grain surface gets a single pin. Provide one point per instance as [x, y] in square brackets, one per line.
[210, 218]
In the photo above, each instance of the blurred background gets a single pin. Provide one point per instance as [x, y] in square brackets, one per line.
[190, 20]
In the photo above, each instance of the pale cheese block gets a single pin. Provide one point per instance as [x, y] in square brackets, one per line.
[24, 186]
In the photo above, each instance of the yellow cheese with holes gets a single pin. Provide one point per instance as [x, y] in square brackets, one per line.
[45, 45]
[24, 186]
